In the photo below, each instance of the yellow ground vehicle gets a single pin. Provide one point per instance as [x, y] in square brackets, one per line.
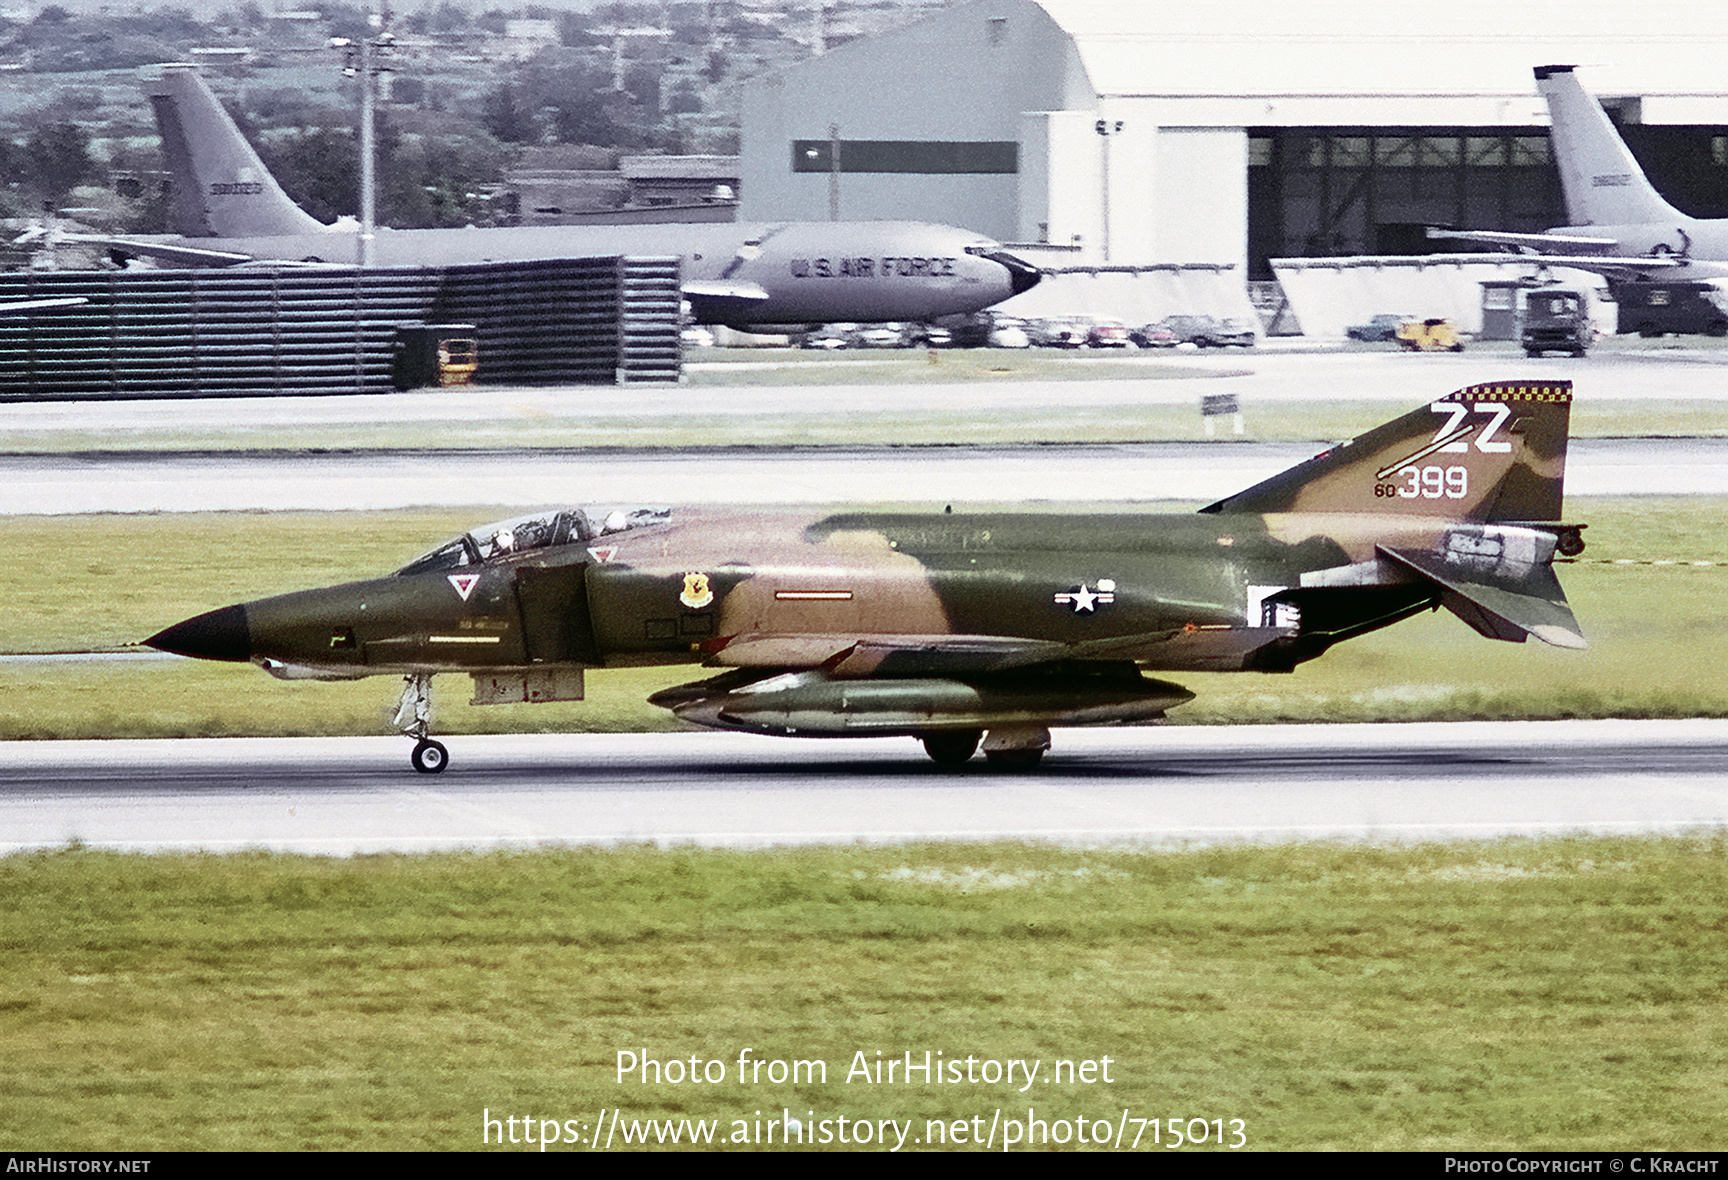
[1430, 335]
[458, 359]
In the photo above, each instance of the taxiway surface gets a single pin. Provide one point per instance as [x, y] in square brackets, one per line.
[1171, 785]
[1278, 372]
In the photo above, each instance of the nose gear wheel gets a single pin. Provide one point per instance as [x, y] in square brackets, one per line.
[414, 718]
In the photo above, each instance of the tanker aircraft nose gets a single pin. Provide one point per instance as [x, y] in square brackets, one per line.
[1022, 275]
[215, 635]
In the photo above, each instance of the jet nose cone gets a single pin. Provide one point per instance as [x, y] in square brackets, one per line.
[1022, 275]
[215, 635]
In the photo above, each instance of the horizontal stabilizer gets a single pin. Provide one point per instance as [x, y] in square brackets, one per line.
[167, 252]
[1502, 597]
[724, 289]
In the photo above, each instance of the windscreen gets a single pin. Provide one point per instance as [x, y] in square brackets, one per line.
[536, 530]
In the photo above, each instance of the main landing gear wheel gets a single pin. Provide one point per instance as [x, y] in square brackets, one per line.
[430, 757]
[1012, 760]
[1016, 748]
[952, 748]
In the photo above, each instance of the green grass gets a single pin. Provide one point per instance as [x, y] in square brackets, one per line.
[1562, 995]
[103, 582]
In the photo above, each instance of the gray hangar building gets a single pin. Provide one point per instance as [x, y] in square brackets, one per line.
[1145, 133]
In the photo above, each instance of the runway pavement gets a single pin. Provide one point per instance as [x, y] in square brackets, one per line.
[1155, 786]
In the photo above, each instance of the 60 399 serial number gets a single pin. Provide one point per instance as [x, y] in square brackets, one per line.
[1426, 483]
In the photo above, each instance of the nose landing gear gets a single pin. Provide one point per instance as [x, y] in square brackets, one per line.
[414, 718]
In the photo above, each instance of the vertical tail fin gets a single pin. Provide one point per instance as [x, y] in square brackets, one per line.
[221, 187]
[1490, 452]
[1601, 179]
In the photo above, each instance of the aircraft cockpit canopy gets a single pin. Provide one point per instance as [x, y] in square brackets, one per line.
[537, 530]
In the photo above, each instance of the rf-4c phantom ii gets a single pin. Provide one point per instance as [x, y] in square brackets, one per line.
[230, 210]
[957, 628]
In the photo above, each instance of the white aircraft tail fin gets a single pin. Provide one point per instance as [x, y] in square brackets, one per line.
[221, 187]
[1602, 180]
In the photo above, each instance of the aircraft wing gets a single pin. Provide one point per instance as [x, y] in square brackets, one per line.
[721, 300]
[1580, 253]
[1643, 266]
[1529, 243]
[1501, 603]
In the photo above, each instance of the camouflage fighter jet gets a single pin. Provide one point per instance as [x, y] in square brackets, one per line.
[961, 628]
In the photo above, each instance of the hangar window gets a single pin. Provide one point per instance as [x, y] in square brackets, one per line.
[1395, 151]
[1439, 151]
[909, 156]
[1529, 150]
[1350, 151]
[1484, 151]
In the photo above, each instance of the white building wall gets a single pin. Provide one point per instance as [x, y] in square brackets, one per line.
[1061, 194]
[1199, 211]
[1133, 168]
[1137, 296]
[967, 74]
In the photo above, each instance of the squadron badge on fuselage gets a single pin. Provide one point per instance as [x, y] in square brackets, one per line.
[696, 593]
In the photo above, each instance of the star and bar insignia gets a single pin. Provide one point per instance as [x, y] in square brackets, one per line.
[1086, 600]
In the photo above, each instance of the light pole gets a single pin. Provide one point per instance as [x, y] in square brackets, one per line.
[833, 172]
[1105, 129]
[363, 59]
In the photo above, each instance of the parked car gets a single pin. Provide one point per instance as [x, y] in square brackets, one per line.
[1204, 331]
[1154, 336]
[1056, 332]
[1009, 332]
[979, 329]
[829, 336]
[1379, 329]
[1104, 332]
[879, 336]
